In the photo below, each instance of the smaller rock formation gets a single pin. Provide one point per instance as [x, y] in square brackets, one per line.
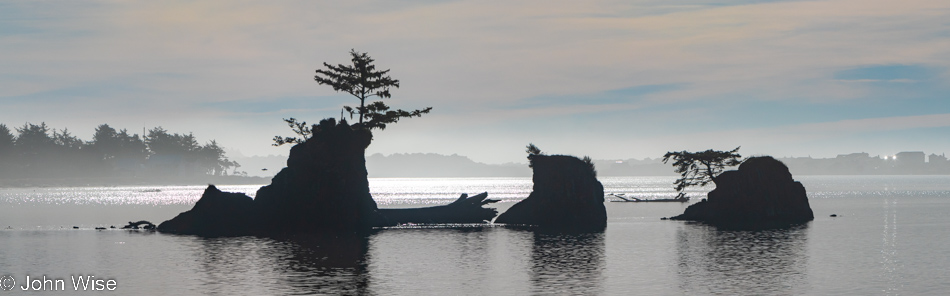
[217, 213]
[566, 197]
[760, 194]
[135, 225]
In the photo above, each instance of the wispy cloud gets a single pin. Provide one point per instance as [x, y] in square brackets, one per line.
[613, 65]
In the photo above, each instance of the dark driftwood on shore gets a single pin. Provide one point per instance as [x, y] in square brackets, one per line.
[465, 209]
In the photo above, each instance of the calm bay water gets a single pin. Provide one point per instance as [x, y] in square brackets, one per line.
[890, 238]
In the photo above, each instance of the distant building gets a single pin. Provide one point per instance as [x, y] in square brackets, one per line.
[911, 159]
[935, 159]
[854, 156]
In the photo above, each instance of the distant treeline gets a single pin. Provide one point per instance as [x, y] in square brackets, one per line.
[37, 151]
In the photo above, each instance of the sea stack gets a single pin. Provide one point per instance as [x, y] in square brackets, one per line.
[324, 187]
[324, 191]
[760, 194]
[566, 197]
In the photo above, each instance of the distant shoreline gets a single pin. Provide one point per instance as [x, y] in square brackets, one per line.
[240, 180]
[132, 181]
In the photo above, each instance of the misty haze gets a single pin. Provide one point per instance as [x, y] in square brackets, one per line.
[475, 148]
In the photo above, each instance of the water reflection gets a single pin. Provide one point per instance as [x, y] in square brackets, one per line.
[763, 262]
[298, 265]
[424, 261]
[567, 264]
[889, 258]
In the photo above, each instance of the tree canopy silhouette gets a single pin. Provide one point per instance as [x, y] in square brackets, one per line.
[41, 151]
[6, 139]
[300, 128]
[363, 81]
[700, 168]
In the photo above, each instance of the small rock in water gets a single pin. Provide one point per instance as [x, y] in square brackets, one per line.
[100, 228]
[75, 227]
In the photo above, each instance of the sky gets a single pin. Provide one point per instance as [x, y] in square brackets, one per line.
[606, 79]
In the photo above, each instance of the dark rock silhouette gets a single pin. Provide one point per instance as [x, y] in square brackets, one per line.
[135, 225]
[323, 190]
[324, 187]
[216, 213]
[760, 194]
[566, 197]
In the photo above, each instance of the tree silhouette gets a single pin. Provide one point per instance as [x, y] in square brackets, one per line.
[363, 81]
[700, 168]
[105, 142]
[533, 150]
[131, 146]
[300, 128]
[173, 151]
[44, 152]
[212, 159]
[65, 139]
[6, 150]
[111, 146]
[33, 140]
[6, 141]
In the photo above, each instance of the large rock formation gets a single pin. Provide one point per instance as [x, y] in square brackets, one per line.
[566, 197]
[323, 190]
[324, 186]
[760, 194]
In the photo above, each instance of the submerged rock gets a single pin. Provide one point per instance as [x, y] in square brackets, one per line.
[135, 225]
[566, 197]
[760, 194]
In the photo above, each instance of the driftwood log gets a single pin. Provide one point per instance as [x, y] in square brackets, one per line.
[465, 209]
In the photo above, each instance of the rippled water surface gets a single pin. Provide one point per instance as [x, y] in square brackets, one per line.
[891, 237]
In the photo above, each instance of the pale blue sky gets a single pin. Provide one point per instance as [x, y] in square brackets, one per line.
[609, 79]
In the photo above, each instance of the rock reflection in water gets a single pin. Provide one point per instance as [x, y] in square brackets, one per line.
[423, 261]
[298, 265]
[567, 264]
[763, 262]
